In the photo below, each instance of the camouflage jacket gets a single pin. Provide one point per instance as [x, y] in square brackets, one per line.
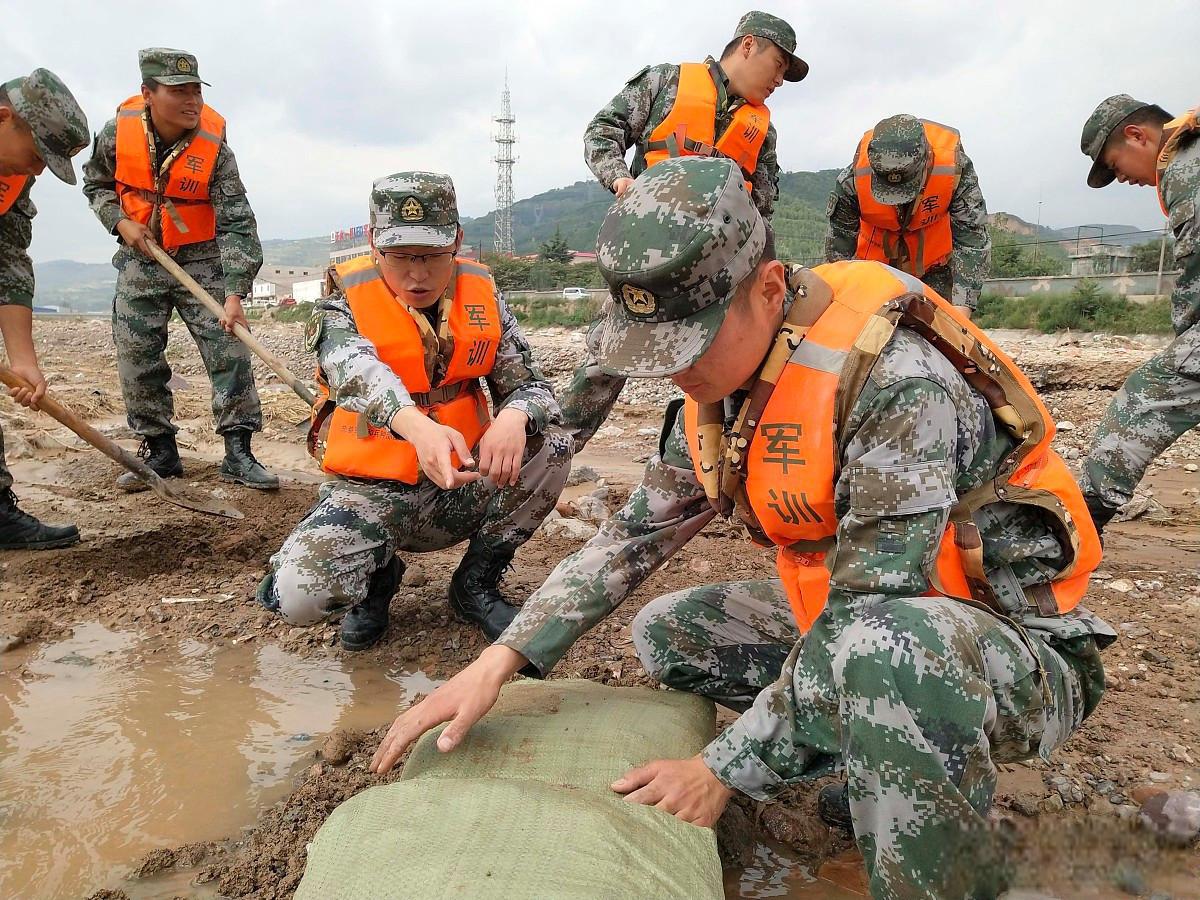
[972, 252]
[639, 108]
[1179, 188]
[16, 268]
[917, 437]
[236, 242]
[360, 382]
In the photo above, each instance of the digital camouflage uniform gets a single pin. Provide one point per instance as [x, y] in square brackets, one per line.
[1160, 400]
[960, 279]
[146, 293]
[630, 118]
[358, 524]
[59, 130]
[918, 697]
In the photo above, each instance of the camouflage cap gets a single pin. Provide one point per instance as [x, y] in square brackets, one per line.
[1096, 131]
[167, 66]
[673, 249]
[60, 129]
[414, 209]
[780, 33]
[899, 156]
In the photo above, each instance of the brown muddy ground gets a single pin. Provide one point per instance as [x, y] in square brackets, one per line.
[1074, 820]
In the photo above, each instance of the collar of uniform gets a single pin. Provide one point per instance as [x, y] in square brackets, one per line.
[724, 98]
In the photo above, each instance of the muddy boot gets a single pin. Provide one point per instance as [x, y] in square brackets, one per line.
[475, 588]
[1102, 514]
[240, 466]
[833, 806]
[161, 454]
[21, 531]
[366, 622]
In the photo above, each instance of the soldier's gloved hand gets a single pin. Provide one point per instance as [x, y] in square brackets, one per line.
[685, 788]
[502, 447]
[462, 701]
[434, 444]
[621, 185]
[135, 235]
[234, 314]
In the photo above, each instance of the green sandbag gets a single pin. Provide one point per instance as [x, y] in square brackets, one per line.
[522, 809]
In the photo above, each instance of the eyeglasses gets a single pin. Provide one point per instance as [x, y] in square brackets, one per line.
[412, 260]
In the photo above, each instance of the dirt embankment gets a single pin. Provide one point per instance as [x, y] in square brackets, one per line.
[1074, 818]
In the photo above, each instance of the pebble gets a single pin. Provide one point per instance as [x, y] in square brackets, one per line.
[580, 474]
[1191, 467]
[414, 576]
[1120, 585]
[1155, 657]
[337, 749]
[590, 509]
[1159, 777]
[572, 529]
[1174, 816]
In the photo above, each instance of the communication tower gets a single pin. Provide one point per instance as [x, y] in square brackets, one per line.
[505, 137]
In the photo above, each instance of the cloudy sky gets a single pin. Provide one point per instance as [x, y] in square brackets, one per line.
[321, 97]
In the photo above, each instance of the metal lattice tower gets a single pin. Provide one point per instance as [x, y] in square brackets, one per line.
[505, 137]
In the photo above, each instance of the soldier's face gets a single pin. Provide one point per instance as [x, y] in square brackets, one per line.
[175, 106]
[760, 73]
[18, 153]
[418, 275]
[743, 341]
[1133, 155]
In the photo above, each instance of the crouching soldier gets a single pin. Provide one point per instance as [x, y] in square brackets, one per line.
[932, 549]
[401, 347]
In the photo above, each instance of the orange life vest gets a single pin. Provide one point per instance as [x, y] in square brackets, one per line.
[793, 460]
[690, 126]
[1174, 132]
[354, 447]
[11, 187]
[175, 204]
[926, 235]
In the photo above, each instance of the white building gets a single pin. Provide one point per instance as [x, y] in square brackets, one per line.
[276, 283]
[308, 291]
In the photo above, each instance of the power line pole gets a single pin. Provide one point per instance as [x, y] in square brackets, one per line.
[506, 138]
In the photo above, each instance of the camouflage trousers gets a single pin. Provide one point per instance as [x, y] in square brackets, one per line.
[930, 693]
[324, 566]
[146, 295]
[588, 400]
[6, 479]
[1159, 402]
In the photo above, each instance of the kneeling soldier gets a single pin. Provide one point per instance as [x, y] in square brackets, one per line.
[401, 346]
[932, 549]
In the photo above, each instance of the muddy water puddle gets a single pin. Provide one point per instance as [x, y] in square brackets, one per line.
[776, 871]
[112, 746]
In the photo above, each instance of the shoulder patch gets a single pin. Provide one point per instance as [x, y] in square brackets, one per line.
[313, 331]
[831, 206]
[640, 72]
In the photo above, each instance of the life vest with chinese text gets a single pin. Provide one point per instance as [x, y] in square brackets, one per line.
[354, 447]
[174, 201]
[924, 239]
[11, 187]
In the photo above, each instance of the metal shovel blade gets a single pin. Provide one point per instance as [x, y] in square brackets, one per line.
[187, 499]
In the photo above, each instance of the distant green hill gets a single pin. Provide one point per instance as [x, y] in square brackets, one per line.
[74, 286]
[313, 251]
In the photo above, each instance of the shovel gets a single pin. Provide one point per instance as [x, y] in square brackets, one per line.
[117, 453]
[240, 331]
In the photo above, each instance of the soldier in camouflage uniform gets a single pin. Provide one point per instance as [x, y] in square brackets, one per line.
[918, 697]
[342, 555]
[900, 160]
[41, 126]
[631, 117]
[224, 265]
[1138, 143]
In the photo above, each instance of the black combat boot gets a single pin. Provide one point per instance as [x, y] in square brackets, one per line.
[1102, 513]
[833, 806]
[366, 622]
[161, 454]
[21, 531]
[475, 588]
[239, 464]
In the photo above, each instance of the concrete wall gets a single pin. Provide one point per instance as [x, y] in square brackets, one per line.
[1133, 286]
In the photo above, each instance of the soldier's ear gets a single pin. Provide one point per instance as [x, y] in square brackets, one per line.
[772, 285]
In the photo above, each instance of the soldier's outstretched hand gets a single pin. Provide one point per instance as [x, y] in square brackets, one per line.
[685, 788]
[435, 443]
[502, 447]
[462, 701]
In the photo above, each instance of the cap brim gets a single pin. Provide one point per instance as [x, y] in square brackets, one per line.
[416, 236]
[638, 348]
[797, 68]
[895, 194]
[1100, 175]
[60, 165]
[172, 80]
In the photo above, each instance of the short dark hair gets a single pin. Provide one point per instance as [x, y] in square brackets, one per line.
[767, 256]
[760, 44]
[1152, 115]
[150, 84]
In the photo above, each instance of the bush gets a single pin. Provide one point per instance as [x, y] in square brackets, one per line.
[1087, 308]
[301, 312]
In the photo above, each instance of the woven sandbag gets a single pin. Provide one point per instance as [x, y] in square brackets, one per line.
[522, 809]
